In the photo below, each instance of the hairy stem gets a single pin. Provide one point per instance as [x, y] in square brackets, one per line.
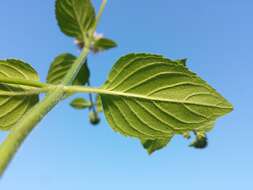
[22, 129]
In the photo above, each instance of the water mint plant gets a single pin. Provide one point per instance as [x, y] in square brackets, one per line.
[145, 96]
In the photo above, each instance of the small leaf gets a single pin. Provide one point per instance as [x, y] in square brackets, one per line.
[151, 97]
[103, 44]
[153, 145]
[80, 103]
[12, 108]
[75, 17]
[60, 67]
[99, 104]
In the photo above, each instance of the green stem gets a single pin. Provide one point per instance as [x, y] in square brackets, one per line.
[73, 71]
[100, 12]
[22, 129]
[81, 89]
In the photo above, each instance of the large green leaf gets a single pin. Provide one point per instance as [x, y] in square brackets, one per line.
[60, 67]
[75, 17]
[151, 98]
[12, 108]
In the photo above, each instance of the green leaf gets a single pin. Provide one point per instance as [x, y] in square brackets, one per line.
[103, 44]
[60, 67]
[99, 104]
[12, 108]
[181, 61]
[80, 103]
[153, 145]
[151, 97]
[75, 17]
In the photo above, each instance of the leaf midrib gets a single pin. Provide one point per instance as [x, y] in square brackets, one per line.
[158, 99]
[78, 20]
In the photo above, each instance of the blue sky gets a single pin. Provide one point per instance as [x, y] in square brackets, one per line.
[65, 152]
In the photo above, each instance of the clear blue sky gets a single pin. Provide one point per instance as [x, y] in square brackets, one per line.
[64, 152]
